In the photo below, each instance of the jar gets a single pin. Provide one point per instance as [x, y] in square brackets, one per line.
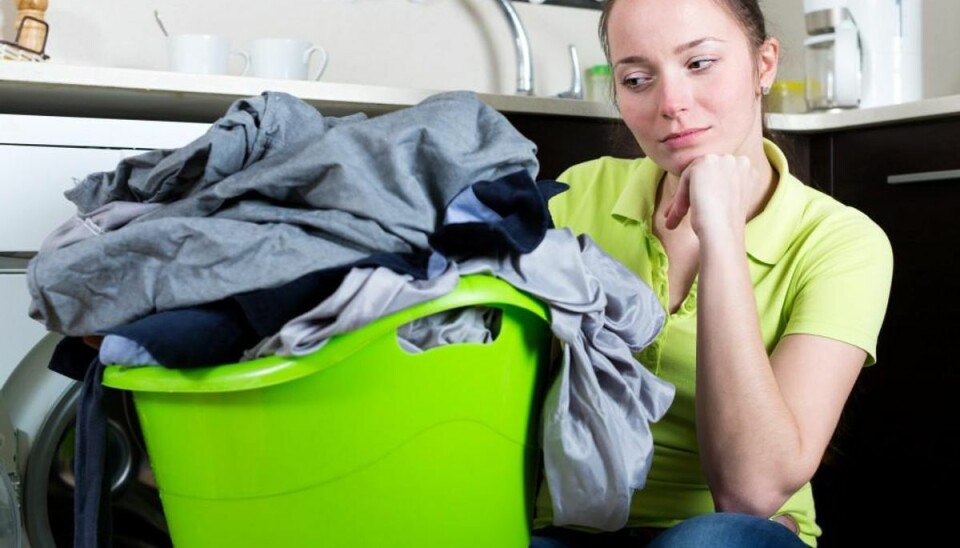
[787, 97]
[599, 83]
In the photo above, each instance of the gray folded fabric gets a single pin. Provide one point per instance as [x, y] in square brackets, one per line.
[273, 191]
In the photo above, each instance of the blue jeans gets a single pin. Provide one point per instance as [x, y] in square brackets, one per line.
[721, 530]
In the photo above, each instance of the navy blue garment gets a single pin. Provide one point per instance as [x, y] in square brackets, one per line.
[210, 334]
[93, 518]
[72, 358]
[219, 333]
[520, 221]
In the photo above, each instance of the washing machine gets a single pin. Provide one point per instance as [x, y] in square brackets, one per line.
[40, 158]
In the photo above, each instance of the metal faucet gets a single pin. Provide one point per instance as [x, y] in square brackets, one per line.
[576, 85]
[524, 63]
[522, 43]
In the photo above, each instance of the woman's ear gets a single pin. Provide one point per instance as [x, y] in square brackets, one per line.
[767, 62]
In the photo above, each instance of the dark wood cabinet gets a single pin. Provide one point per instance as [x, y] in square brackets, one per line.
[894, 463]
[892, 468]
[563, 141]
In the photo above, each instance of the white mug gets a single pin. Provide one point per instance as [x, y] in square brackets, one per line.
[285, 59]
[202, 54]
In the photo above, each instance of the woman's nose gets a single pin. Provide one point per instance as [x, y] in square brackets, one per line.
[675, 95]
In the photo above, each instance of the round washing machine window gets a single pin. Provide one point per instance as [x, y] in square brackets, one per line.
[48, 493]
[42, 407]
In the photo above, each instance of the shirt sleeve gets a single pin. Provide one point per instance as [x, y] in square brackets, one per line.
[844, 287]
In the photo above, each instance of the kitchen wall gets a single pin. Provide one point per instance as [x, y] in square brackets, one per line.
[426, 44]
[941, 41]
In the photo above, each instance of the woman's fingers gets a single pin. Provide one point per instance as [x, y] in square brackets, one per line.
[710, 189]
[680, 204]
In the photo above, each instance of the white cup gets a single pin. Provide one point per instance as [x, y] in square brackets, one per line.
[202, 54]
[285, 59]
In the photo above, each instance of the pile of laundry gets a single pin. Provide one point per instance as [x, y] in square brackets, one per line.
[280, 228]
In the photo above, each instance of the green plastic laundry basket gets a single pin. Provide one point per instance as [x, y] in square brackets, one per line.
[359, 444]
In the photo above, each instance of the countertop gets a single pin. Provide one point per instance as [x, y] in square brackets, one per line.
[831, 121]
[71, 90]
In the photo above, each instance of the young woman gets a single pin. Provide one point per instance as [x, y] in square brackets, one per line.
[775, 291]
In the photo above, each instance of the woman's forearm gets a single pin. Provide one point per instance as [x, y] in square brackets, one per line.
[748, 439]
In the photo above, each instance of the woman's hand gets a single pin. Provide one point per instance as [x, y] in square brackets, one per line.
[714, 190]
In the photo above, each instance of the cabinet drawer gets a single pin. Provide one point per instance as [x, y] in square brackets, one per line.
[922, 152]
[907, 179]
[31, 189]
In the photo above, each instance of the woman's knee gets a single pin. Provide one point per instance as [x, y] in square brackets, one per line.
[730, 530]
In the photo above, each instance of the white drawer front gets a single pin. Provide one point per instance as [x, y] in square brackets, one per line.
[18, 332]
[32, 182]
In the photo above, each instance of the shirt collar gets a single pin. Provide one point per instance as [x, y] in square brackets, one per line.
[768, 234]
[639, 194]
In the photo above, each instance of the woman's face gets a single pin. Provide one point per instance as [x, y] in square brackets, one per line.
[686, 79]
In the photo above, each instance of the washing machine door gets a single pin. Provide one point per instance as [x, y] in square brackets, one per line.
[11, 528]
[41, 156]
[47, 484]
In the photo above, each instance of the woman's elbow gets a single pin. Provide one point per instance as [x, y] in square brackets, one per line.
[763, 490]
[761, 499]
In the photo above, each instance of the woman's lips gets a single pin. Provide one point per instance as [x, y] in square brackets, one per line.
[683, 138]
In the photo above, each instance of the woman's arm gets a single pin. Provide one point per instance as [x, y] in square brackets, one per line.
[763, 422]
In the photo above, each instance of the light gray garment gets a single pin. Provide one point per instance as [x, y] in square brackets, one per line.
[116, 349]
[81, 226]
[364, 295]
[273, 191]
[474, 324]
[596, 436]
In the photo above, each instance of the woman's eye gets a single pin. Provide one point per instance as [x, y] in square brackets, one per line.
[701, 64]
[635, 80]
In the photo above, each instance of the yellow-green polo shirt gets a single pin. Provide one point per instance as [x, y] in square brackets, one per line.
[818, 267]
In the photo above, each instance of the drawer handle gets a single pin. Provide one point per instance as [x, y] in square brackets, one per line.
[924, 176]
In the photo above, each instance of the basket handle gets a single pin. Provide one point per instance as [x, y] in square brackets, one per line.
[471, 290]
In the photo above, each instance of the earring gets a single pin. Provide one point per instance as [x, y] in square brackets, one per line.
[765, 90]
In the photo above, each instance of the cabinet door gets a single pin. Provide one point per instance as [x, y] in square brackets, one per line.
[565, 141]
[895, 448]
[31, 190]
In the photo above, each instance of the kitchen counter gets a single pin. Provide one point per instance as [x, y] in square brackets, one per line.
[105, 92]
[70, 90]
[845, 119]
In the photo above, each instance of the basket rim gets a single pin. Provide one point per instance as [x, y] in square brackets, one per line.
[476, 289]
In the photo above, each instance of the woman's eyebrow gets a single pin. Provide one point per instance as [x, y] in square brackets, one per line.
[641, 60]
[633, 60]
[694, 43]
